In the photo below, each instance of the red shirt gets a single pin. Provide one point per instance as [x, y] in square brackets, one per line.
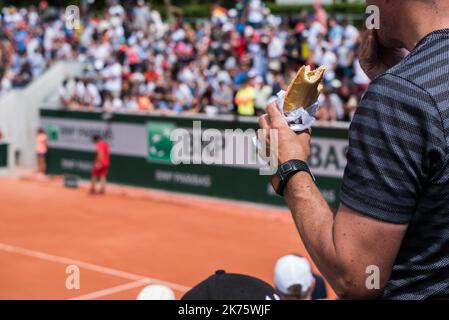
[152, 76]
[103, 149]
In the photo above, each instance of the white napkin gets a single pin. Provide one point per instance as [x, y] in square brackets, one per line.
[299, 119]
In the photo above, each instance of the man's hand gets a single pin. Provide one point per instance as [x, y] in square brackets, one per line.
[374, 58]
[291, 146]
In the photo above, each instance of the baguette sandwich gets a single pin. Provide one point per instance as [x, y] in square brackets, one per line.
[304, 90]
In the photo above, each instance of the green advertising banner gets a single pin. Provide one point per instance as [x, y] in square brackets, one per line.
[159, 143]
[52, 132]
[215, 158]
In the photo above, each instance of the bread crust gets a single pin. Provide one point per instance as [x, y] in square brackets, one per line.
[305, 88]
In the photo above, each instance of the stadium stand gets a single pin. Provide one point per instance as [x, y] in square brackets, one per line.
[134, 61]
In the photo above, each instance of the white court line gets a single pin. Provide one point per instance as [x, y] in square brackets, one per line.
[109, 291]
[90, 266]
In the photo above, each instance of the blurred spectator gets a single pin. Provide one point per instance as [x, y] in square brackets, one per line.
[263, 94]
[321, 16]
[228, 286]
[65, 93]
[156, 292]
[41, 150]
[294, 279]
[222, 97]
[182, 96]
[135, 62]
[100, 165]
[31, 39]
[245, 99]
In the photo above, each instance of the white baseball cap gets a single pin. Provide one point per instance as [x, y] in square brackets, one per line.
[292, 270]
[156, 292]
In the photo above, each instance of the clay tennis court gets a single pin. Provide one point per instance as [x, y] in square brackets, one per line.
[129, 238]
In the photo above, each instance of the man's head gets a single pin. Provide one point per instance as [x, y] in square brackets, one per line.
[96, 138]
[400, 18]
[390, 21]
[293, 278]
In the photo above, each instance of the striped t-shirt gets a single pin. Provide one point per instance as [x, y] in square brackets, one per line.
[398, 165]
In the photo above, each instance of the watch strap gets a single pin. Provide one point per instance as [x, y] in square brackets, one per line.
[287, 170]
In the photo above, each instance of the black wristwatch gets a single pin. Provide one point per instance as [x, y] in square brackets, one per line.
[285, 172]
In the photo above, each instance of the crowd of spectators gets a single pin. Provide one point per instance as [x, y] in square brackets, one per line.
[31, 39]
[233, 62]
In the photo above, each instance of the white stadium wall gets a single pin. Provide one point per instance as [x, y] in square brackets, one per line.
[19, 110]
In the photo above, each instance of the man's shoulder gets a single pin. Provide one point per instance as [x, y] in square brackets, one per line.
[394, 103]
[420, 80]
[426, 67]
[102, 143]
[391, 89]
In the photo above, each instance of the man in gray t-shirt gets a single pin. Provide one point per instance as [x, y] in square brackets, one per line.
[390, 236]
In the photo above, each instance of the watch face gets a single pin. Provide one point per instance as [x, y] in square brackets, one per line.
[286, 167]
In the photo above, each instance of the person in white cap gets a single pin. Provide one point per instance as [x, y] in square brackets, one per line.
[156, 292]
[293, 278]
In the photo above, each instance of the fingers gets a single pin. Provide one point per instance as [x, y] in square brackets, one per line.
[265, 125]
[373, 42]
[307, 132]
[263, 122]
[394, 56]
[368, 50]
[276, 117]
[264, 144]
[273, 111]
[264, 137]
[369, 54]
[369, 34]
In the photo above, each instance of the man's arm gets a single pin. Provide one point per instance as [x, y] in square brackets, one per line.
[343, 245]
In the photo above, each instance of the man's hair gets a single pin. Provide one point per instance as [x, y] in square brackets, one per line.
[295, 291]
[96, 138]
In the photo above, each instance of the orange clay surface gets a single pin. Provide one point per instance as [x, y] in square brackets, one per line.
[129, 238]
